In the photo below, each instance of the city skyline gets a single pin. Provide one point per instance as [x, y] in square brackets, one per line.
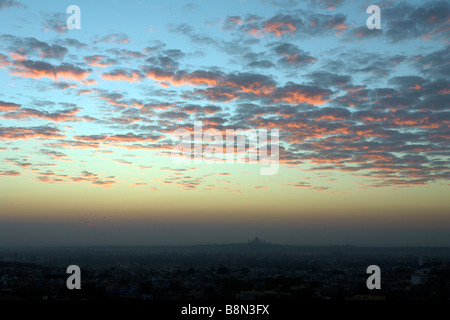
[88, 119]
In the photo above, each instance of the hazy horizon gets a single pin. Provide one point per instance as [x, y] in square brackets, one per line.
[66, 234]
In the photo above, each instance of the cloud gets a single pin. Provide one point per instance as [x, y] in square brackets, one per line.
[363, 33]
[10, 4]
[216, 94]
[404, 21]
[59, 116]
[40, 69]
[54, 22]
[121, 161]
[125, 54]
[164, 62]
[123, 75]
[54, 154]
[188, 31]
[307, 185]
[212, 109]
[262, 64]
[116, 38]
[369, 64]
[20, 163]
[295, 93]
[328, 79]
[181, 78]
[292, 55]
[99, 61]
[328, 4]
[299, 24]
[64, 85]
[382, 117]
[8, 106]
[4, 61]
[223, 87]
[125, 138]
[231, 22]
[434, 64]
[104, 183]
[17, 133]
[21, 48]
[85, 176]
[257, 84]
[75, 144]
[69, 42]
[321, 4]
[10, 173]
[278, 25]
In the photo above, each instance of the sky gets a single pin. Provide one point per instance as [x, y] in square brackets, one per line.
[88, 119]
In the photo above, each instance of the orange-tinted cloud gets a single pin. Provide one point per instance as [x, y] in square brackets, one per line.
[126, 138]
[17, 56]
[115, 38]
[17, 133]
[217, 94]
[191, 79]
[300, 94]
[160, 75]
[121, 75]
[10, 173]
[40, 69]
[279, 28]
[74, 144]
[251, 84]
[8, 106]
[65, 115]
[201, 78]
[99, 61]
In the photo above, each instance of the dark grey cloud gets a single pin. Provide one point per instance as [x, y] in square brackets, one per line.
[55, 22]
[163, 62]
[261, 64]
[291, 55]
[126, 54]
[402, 21]
[328, 79]
[429, 20]
[372, 65]
[69, 42]
[434, 64]
[299, 24]
[194, 36]
[329, 4]
[58, 116]
[363, 33]
[33, 47]
[10, 4]
[39, 69]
